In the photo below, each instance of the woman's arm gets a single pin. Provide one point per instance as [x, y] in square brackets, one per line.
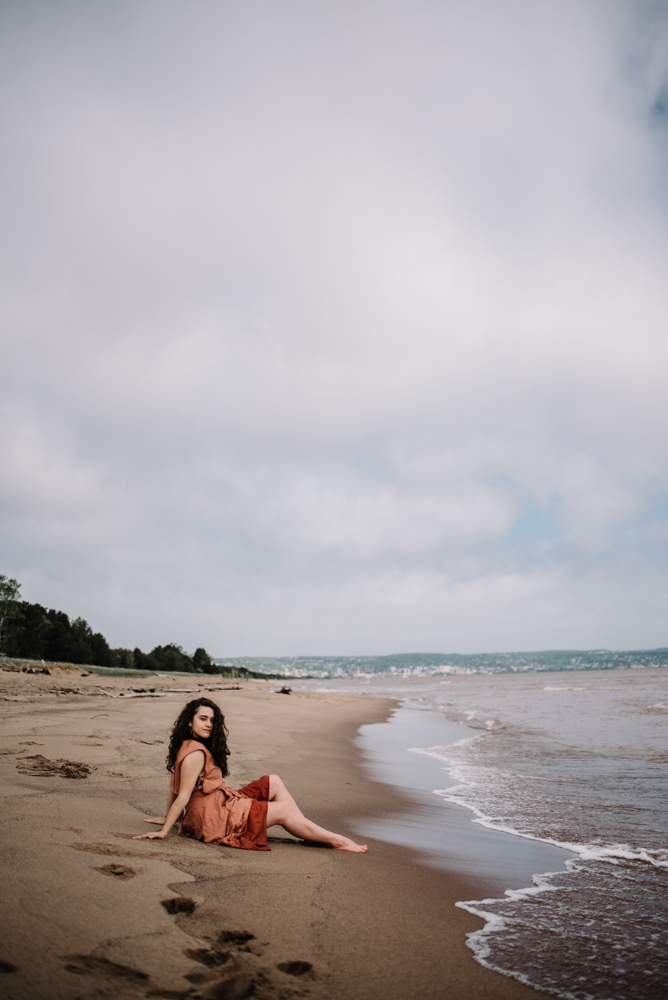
[190, 771]
[159, 820]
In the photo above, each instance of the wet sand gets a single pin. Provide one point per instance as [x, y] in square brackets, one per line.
[90, 913]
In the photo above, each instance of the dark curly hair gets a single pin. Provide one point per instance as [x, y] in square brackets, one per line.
[216, 742]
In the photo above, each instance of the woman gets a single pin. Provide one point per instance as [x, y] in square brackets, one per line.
[216, 813]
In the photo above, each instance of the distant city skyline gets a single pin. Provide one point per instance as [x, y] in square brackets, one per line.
[444, 664]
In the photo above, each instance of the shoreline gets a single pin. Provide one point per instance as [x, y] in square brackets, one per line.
[83, 915]
[443, 828]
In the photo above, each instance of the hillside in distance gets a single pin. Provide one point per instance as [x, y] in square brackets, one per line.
[426, 664]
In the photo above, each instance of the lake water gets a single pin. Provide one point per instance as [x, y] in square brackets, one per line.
[553, 785]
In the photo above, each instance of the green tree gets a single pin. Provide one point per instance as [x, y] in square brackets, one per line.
[202, 662]
[124, 658]
[169, 658]
[142, 661]
[9, 594]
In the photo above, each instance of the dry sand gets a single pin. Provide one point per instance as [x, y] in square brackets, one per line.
[89, 913]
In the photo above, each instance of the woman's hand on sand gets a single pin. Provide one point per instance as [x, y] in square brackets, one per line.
[158, 835]
[159, 820]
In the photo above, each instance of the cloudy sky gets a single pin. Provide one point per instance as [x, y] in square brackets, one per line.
[337, 327]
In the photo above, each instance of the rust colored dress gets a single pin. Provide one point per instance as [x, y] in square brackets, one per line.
[219, 814]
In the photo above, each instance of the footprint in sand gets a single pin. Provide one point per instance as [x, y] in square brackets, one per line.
[295, 968]
[233, 972]
[220, 953]
[39, 765]
[240, 981]
[206, 956]
[235, 939]
[239, 987]
[118, 871]
[180, 904]
[172, 994]
[89, 965]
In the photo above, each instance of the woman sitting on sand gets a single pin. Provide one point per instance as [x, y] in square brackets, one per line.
[216, 813]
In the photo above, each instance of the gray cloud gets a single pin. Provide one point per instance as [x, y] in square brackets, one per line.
[337, 329]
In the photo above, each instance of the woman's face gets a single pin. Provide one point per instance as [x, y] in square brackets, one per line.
[202, 723]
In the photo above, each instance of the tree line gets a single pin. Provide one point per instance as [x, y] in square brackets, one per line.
[33, 632]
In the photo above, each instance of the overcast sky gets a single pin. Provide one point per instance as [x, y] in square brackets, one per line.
[337, 327]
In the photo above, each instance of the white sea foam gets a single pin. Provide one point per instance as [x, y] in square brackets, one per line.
[586, 776]
[584, 770]
[616, 952]
[601, 852]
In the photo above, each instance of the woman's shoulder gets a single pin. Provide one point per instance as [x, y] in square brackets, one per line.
[188, 747]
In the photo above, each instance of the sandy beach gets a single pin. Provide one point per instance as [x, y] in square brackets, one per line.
[90, 913]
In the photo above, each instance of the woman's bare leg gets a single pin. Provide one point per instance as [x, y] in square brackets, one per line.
[284, 811]
[279, 793]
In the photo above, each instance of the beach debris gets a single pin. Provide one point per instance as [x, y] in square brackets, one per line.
[36, 670]
[39, 765]
[137, 694]
[284, 690]
[82, 965]
[179, 904]
[295, 968]
[118, 871]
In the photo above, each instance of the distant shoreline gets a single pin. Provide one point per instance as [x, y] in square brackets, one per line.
[398, 664]
[427, 664]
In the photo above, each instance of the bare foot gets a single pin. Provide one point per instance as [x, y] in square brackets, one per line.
[159, 820]
[344, 844]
